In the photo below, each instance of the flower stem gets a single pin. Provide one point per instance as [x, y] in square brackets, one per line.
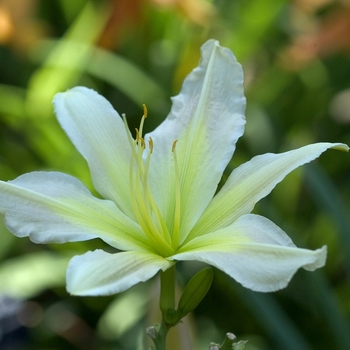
[158, 332]
[167, 290]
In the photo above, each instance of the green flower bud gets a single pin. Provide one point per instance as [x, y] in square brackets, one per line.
[195, 291]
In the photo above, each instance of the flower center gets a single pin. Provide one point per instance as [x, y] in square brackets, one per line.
[145, 207]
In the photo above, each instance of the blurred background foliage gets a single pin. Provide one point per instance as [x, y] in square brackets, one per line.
[296, 58]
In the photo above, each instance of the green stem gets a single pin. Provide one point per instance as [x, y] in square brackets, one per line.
[167, 290]
[158, 332]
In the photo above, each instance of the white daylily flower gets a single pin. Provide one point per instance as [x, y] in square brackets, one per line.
[159, 205]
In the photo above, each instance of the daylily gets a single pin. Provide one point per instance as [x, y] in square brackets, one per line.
[159, 204]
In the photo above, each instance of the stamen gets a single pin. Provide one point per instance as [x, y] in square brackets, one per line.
[134, 178]
[143, 119]
[145, 208]
[146, 201]
[136, 207]
[150, 199]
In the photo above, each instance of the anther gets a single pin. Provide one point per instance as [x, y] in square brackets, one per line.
[174, 145]
[137, 136]
[150, 143]
[144, 111]
[143, 144]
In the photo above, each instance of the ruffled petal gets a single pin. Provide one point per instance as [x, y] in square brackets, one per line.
[55, 207]
[206, 118]
[100, 273]
[251, 182]
[255, 252]
[98, 132]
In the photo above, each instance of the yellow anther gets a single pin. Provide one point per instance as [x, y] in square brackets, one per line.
[137, 135]
[144, 111]
[174, 145]
[143, 144]
[143, 119]
[150, 143]
[139, 139]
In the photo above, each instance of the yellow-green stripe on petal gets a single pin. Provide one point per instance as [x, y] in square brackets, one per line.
[55, 207]
[253, 251]
[206, 118]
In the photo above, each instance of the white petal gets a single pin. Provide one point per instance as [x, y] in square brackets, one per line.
[252, 181]
[207, 118]
[54, 207]
[255, 252]
[98, 132]
[101, 273]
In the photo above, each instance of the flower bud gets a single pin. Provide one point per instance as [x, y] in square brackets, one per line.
[195, 291]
